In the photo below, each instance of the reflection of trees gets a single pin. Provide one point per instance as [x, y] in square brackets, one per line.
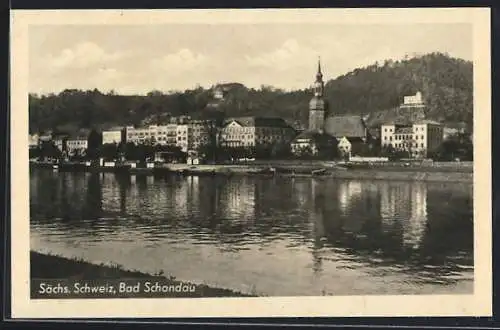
[92, 206]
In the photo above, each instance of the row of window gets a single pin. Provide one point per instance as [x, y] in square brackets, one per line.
[405, 137]
[417, 129]
[76, 142]
[405, 145]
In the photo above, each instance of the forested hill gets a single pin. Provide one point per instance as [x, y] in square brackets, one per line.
[446, 84]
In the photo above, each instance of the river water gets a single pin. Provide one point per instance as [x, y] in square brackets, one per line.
[266, 236]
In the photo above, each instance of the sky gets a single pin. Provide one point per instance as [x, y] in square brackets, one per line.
[137, 59]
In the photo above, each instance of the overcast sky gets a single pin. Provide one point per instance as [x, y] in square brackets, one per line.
[138, 59]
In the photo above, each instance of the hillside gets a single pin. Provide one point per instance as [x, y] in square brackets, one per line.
[374, 91]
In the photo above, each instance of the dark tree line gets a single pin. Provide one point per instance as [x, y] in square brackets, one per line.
[446, 84]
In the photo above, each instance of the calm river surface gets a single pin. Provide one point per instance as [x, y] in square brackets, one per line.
[269, 236]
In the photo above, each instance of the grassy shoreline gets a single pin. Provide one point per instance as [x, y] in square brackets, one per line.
[48, 266]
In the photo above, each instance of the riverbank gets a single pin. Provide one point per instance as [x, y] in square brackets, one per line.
[435, 172]
[47, 266]
[399, 173]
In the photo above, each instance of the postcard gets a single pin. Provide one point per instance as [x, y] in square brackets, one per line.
[251, 163]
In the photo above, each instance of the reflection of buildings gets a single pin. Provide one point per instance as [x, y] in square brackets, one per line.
[415, 227]
[301, 192]
[238, 199]
[111, 198]
[405, 202]
[181, 198]
[194, 192]
[316, 217]
[347, 191]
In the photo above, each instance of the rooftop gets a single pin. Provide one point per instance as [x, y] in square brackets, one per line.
[347, 125]
[251, 121]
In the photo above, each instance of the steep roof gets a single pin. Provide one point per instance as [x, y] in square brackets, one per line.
[259, 121]
[348, 126]
[307, 135]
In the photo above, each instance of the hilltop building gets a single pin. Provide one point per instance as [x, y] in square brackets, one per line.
[413, 107]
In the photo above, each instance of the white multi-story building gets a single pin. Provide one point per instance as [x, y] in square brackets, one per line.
[417, 138]
[198, 134]
[182, 137]
[166, 135]
[255, 131]
[77, 144]
[113, 135]
[141, 135]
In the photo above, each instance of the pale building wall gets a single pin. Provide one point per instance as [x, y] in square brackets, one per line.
[109, 137]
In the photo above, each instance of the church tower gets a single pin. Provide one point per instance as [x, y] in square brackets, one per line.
[318, 106]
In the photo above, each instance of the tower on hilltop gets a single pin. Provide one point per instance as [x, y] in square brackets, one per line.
[318, 106]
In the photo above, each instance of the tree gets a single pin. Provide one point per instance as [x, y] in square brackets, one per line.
[458, 146]
[49, 150]
[213, 121]
[109, 151]
[94, 141]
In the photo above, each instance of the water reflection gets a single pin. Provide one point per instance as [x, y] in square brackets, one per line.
[421, 231]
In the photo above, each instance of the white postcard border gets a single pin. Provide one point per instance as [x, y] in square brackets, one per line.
[477, 304]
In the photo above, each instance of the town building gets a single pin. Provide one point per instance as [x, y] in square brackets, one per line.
[182, 134]
[255, 132]
[453, 129]
[141, 135]
[198, 134]
[59, 141]
[350, 132]
[33, 140]
[165, 135]
[76, 145]
[113, 135]
[318, 106]
[326, 131]
[310, 143]
[417, 138]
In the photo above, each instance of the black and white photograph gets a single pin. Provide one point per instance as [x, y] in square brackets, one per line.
[252, 154]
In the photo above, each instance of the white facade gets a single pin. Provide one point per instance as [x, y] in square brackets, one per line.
[300, 144]
[236, 135]
[33, 140]
[418, 138]
[198, 134]
[75, 145]
[182, 132]
[141, 135]
[412, 100]
[170, 134]
[344, 146]
[112, 136]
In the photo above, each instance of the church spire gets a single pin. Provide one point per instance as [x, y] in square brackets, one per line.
[318, 84]
[319, 75]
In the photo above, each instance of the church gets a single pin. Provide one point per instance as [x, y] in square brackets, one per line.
[328, 134]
